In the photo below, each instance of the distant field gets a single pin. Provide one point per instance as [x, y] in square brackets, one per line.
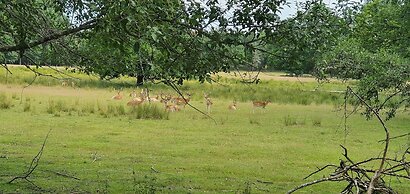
[264, 76]
[100, 141]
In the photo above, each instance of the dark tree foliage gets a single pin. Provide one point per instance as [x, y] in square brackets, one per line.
[166, 40]
[303, 38]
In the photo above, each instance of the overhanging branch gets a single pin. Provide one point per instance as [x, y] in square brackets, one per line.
[87, 25]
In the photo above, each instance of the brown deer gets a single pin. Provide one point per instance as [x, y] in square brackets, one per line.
[259, 104]
[135, 102]
[154, 99]
[232, 106]
[182, 101]
[169, 107]
[208, 103]
[172, 108]
[118, 96]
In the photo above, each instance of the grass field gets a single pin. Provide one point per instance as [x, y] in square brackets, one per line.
[100, 142]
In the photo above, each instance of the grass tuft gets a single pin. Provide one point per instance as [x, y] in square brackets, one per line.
[5, 102]
[148, 111]
[317, 122]
[289, 120]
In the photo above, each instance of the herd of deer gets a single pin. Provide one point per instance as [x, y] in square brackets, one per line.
[173, 104]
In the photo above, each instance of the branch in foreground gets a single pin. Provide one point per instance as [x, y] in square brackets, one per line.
[87, 25]
[355, 173]
[335, 178]
[33, 165]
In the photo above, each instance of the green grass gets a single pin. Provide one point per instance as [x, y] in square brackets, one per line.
[113, 148]
[282, 92]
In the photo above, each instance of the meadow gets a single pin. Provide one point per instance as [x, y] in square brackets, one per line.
[99, 145]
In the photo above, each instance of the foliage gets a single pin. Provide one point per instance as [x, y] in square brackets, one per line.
[383, 75]
[304, 37]
[385, 24]
[165, 40]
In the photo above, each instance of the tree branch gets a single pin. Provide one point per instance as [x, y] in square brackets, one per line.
[24, 46]
[386, 130]
[33, 165]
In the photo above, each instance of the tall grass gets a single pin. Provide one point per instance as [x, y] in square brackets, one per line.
[281, 92]
[148, 111]
[5, 102]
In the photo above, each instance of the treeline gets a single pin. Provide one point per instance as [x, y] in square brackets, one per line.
[315, 36]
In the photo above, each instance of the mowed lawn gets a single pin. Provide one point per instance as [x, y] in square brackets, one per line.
[263, 151]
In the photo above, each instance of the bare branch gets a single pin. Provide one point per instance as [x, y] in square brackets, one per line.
[174, 87]
[386, 130]
[334, 178]
[33, 165]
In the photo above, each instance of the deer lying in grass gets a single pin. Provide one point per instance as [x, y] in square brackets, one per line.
[208, 103]
[232, 106]
[133, 94]
[67, 83]
[172, 108]
[182, 101]
[169, 107]
[118, 96]
[64, 83]
[154, 99]
[135, 101]
[259, 104]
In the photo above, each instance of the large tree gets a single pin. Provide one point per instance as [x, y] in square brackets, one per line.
[170, 40]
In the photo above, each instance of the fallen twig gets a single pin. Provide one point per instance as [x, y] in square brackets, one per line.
[33, 165]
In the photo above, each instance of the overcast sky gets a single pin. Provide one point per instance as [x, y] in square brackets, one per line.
[291, 9]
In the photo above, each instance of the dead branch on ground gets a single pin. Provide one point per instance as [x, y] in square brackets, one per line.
[33, 165]
[356, 174]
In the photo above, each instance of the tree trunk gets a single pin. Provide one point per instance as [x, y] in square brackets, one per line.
[140, 80]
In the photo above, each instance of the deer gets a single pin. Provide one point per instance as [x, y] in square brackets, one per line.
[208, 103]
[232, 106]
[73, 84]
[259, 104]
[64, 83]
[133, 94]
[135, 101]
[172, 108]
[118, 96]
[144, 94]
[154, 99]
[169, 107]
[182, 101]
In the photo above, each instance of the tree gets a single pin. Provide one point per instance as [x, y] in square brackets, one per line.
[385, 24]
[300, 41]
[171, 40]
[383, 72]
[176, 40]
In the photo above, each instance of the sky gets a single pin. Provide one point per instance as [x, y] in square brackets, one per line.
[287, 10]
[291, 9]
